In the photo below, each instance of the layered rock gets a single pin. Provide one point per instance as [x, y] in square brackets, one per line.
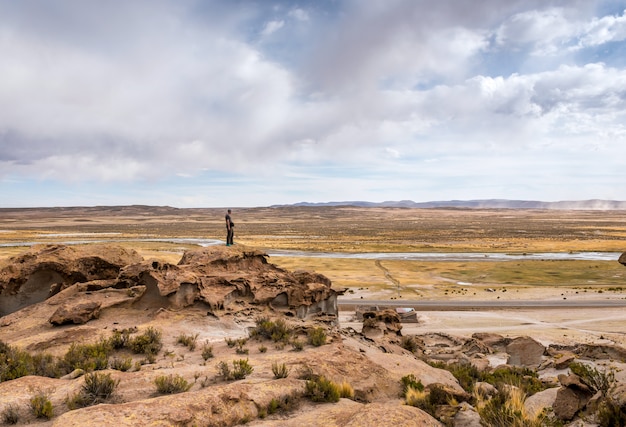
[222, 278]
[44, 271]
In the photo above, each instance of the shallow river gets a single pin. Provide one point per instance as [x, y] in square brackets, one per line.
[415, 256]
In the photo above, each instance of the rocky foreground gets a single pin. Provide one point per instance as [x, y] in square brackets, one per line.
[69, 311]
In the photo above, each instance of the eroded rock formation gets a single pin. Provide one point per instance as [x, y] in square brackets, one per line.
[221, 277]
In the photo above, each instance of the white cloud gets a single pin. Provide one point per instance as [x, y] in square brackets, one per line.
[271, 27]
[160, 90]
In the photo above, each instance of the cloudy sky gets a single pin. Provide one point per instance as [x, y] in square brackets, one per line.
[214, 103]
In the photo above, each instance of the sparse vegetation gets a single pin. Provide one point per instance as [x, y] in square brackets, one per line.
[88, 357]
[207, 351]
[40, 405]
[241, 369]
[148, 343]
[171, 384]
[409, 382]
[317, 336]
[188, 341]
[98, 388]
[122, 364]
[10, 414]
[321, 389]
[297, 345]
[277, 330]
[506, 409]
[280, 370]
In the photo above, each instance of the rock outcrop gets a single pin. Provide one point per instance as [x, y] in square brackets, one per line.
[223, 278]
[46, 270]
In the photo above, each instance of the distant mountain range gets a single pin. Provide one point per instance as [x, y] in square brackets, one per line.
[594, 204]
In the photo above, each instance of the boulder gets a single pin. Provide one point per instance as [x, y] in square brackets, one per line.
[379, 323]
[622, 259]
[77, 314]
[525, 351]
[466, 416]
[568, 402]
[540, 401]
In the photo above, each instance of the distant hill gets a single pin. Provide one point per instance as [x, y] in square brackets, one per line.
[594, 204]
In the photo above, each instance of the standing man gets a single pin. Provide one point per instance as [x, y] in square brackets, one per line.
[230, 232]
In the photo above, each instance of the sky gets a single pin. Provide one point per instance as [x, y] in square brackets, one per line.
[242, 103]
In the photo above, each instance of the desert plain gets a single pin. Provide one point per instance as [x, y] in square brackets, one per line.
[493, 268]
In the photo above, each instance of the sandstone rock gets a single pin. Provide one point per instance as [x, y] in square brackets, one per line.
[491, 339]
[223, 276]
[525, 351]
[568, 402]
[466, 416]
[485, 389]
[45, 270]
[563, 360]
[379, 323]
[76, 313]
[539, 401]
[622, 259]
[600, 351]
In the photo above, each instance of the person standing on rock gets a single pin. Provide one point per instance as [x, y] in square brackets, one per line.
[230, 231]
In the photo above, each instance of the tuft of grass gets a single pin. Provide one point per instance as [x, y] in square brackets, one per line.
[207, 351]
[171, 384]
[409, 382]
[124, 364]
[280, 370]
[321, 389]
[98, 388]
[41, 406]
[297, 345]
[345, 390]
[506, 409]
[409, 343]
[10, 414]
[241, 369]
[317, 336]
[188, 341]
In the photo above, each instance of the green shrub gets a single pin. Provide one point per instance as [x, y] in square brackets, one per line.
[262, 349]
[280, 370]
[121, 339]
[241, 369]
[597, 380]
[149, 343]
[188, 341]
[611, 414]
[14, 363]
[10, 414]
[277, 331]
[88, 357]
[41, 406]
[98, 388]
[524, 378]
[171, 384]
[123, 365]
[297, 345]
[317, 336]
[322, 390]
